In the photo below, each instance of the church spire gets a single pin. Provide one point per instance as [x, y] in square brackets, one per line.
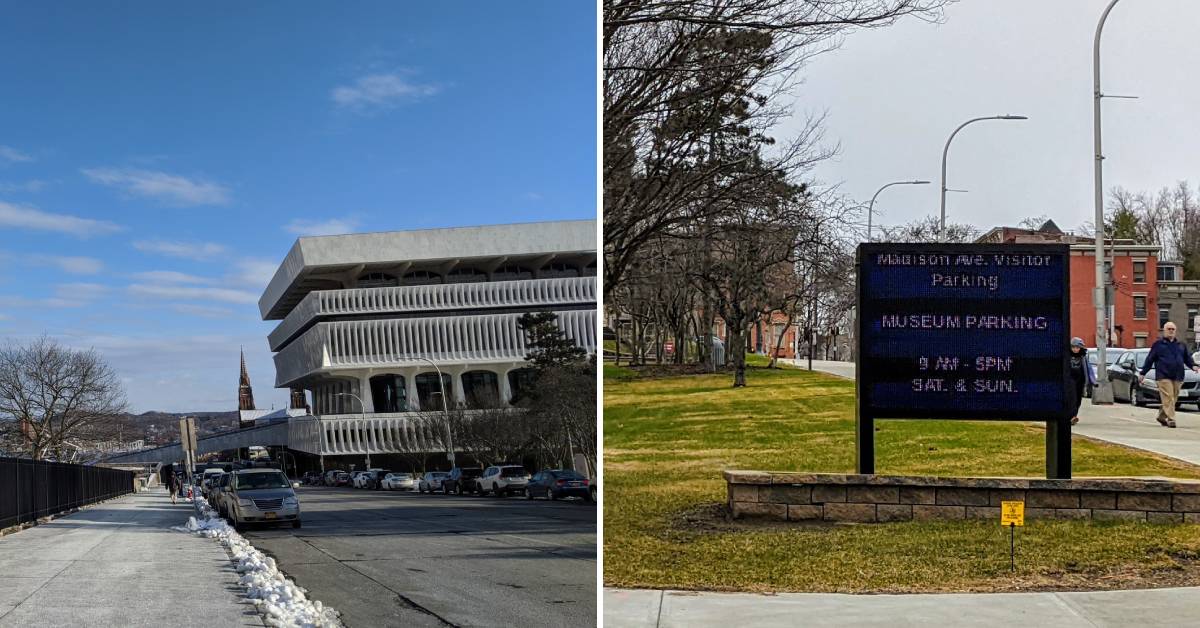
[245, 393]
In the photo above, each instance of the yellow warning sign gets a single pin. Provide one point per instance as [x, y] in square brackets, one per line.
[1012, 513]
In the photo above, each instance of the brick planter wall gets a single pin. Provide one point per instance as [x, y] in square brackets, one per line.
[884, 498]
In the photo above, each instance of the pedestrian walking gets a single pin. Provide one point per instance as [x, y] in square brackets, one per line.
[171, 481]
[1168, 357]
[1082, 374]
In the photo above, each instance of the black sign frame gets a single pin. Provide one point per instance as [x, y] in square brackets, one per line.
[1058, 426]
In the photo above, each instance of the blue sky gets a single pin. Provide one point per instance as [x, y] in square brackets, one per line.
[158, 160]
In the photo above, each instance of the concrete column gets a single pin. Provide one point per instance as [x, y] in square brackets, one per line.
[410, 390]
[364, 392]
[505, 389]
[459, 395]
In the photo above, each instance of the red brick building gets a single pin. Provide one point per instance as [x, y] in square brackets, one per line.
[1134, 307]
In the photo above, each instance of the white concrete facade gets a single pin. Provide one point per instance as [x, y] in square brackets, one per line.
[370, 314]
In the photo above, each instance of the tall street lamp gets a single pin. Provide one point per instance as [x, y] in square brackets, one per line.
[445, 412]
[363, 407]
[1102, 392]
[946, 150]
[871, 208]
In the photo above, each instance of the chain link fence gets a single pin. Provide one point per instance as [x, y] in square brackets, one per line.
[31, 489]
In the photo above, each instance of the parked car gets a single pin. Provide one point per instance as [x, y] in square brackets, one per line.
[374, 479]
[207, 480]
[1110, 358]
[1124, 376]
[502, 481]
[261, 496]
[342, 478]
[460, 479]
[216, 495]
[431, 481]
[399, 482]
[311, 478]
[557, 484]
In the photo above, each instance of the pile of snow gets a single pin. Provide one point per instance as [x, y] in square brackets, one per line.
[277, 598]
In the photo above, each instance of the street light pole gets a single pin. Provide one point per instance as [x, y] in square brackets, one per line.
[446, 413]
[1102, 392]
[946, 150]
[363, 407]
[871, 207]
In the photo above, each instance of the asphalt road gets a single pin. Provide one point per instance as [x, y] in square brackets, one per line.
[397, 558]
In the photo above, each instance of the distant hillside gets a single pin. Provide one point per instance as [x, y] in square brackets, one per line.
[159, 428]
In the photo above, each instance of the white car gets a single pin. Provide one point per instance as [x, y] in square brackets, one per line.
[399, 482]
[503, 480]
[431, 481]
[358, 479]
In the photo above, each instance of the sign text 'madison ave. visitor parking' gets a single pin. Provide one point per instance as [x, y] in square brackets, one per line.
[964, 331]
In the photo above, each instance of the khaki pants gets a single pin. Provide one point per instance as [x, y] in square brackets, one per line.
[1168, 393]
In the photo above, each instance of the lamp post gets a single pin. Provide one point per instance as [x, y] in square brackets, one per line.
[871, 207]
[445, 412]
[1102, 392]
[946, 150]
[363, 407]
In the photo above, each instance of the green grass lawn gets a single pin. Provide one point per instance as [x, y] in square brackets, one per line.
[667, 439]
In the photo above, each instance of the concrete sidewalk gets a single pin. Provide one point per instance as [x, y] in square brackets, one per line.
[119, 563]
[1120, 423]
[625, 608]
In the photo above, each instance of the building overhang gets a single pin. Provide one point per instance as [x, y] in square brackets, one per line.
[323, 262]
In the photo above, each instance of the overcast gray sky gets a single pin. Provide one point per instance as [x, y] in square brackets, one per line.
[894, 95]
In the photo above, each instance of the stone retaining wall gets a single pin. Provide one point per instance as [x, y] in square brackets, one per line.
[884, 498]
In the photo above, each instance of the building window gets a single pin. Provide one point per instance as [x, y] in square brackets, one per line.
[422, 278]
[1166, 273]
[481, 388]
[466, 275]
[388, 393]
[429, 393]
[520, 383]
[512, 272]
[1139, 341]
[1193, 309]
[376, 280]
[1139, 272]
[557, 269]
[1164, 315]
[1139, 307]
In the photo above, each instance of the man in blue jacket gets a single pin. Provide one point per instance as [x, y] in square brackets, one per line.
[1168, 357]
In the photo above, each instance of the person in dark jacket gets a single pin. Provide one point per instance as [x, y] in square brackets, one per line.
[171, 480]
[1082, 374]
[1168, 357]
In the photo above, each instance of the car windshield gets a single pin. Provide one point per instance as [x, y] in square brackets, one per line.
[1140, 358]
[513, 472]
[261, 480]
[402, 476]
[472, 473]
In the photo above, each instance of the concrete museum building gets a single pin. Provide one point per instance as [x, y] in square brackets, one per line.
[368, 321]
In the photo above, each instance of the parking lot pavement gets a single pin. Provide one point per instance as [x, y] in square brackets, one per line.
[386, 558]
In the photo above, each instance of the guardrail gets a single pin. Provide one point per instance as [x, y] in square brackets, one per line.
[32, 489]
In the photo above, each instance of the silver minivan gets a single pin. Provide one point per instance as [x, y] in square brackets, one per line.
[261, 496]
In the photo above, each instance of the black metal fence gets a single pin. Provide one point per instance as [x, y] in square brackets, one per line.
[30, 489]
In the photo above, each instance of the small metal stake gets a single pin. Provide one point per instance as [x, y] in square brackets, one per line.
[1012, 547]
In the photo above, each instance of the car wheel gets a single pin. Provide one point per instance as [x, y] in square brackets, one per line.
[589, 498]
[296, 524]
[496, 491]
[528, 493]
[550, 494]
[458, 489]
[1136, 398]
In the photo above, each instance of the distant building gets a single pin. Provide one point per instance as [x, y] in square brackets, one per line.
[1133, 271]
[368, 320]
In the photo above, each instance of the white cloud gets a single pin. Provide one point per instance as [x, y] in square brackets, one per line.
[380, 91]
[168, 188]
[170, 276]
[188, 250]
[333, 226]
[226, 295]
[35, 219]
[12, 155]
[207, 311]
[254, 273]
[80, 291]
[73, 265]
[32, 185]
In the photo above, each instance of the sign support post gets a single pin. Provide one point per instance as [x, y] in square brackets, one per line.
[1058, 449]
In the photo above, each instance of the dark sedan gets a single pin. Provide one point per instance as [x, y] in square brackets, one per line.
[557, 484]
[1124, 376]
[460, 480]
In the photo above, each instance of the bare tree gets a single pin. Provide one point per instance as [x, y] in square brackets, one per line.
[51, 395]
[926, 230]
